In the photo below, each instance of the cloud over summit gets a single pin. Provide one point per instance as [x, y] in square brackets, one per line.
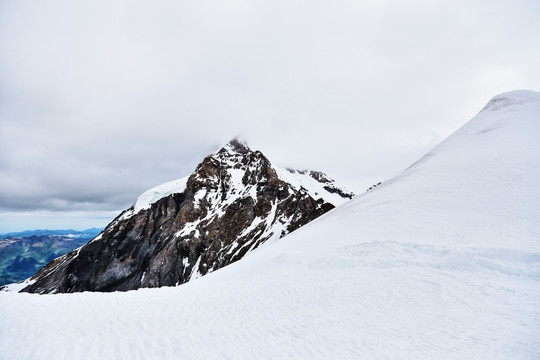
[101, 100]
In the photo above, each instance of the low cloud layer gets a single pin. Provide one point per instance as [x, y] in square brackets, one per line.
[102, 100]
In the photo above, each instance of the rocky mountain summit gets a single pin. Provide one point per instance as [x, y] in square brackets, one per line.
[233, 202]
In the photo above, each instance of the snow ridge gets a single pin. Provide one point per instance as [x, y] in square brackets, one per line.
[146, 199]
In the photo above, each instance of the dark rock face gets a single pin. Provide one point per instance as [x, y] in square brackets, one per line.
[230, 205]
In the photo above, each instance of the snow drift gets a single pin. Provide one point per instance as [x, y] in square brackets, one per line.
[442, 261]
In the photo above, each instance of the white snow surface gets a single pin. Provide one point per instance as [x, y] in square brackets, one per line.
[302, 179]
[441, 262]
[146, 199]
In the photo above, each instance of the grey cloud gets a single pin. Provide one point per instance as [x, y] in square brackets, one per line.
[101, 100]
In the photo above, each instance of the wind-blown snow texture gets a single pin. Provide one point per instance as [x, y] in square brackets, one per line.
[442, 262]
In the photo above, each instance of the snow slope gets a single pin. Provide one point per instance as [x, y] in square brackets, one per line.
[325, 188]
[441, 262]
[146, 199]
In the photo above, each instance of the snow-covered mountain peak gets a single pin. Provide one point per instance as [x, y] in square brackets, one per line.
[233, 202]
[509, 100]
[233, 159]
[236, 148]
[237, 168]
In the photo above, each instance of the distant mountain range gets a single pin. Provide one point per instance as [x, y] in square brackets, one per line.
[24, 253]
[88, 233]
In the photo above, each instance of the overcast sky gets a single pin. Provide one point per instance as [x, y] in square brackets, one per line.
[101, 100]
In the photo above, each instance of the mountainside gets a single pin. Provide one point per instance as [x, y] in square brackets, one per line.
[233, 202]
[441, 262]
[22, 256]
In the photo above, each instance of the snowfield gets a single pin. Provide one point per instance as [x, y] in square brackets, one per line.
[441, 262]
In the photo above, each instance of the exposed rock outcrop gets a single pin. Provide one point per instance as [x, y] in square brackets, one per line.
[233, 202]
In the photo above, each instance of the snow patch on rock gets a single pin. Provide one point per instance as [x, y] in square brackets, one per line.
[149, 197]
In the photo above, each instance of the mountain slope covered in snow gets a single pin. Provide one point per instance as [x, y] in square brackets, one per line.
[441, 262]
[234, 201]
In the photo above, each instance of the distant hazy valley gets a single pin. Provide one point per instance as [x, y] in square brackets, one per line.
[24, 253]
